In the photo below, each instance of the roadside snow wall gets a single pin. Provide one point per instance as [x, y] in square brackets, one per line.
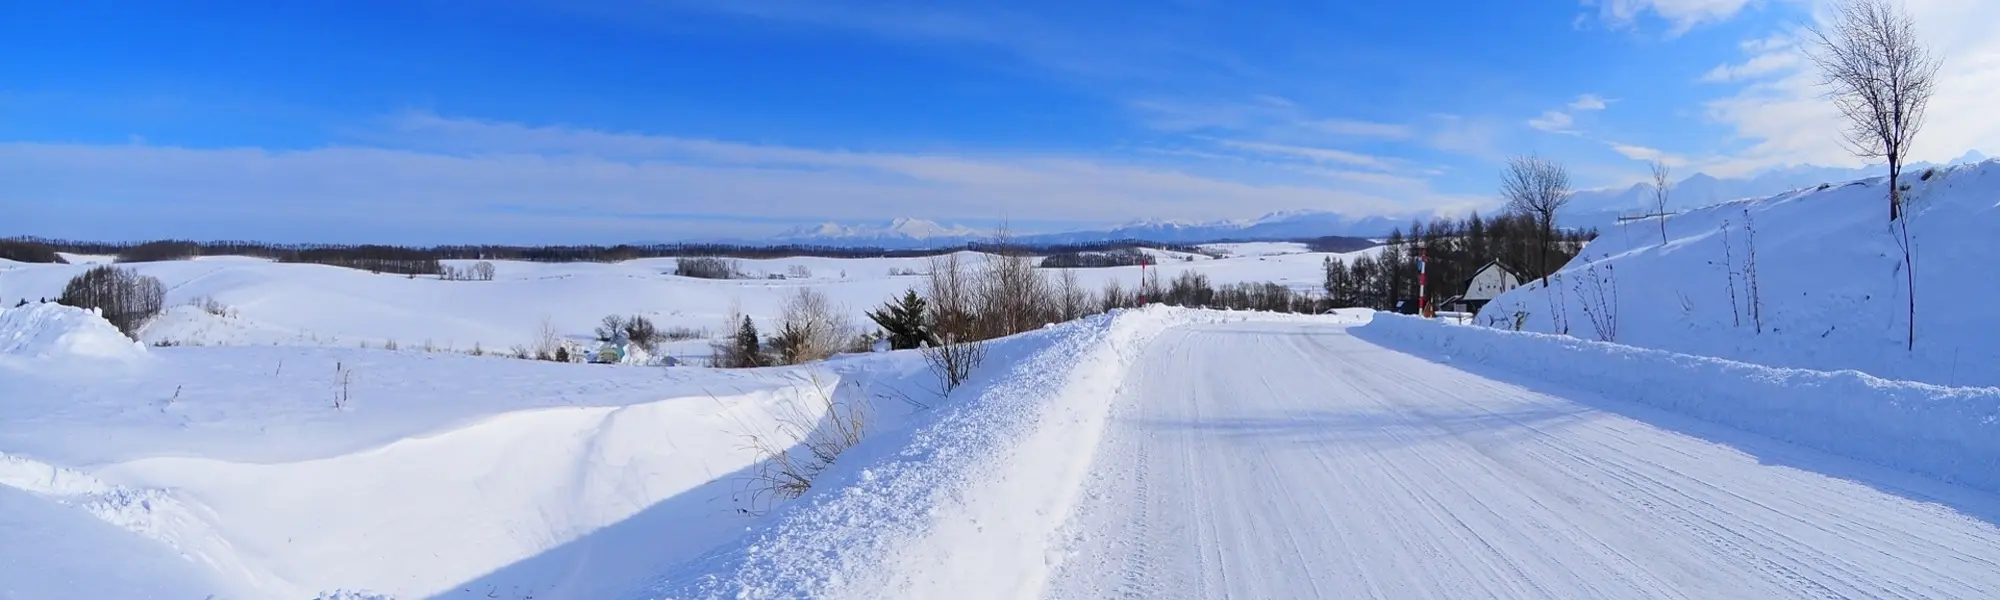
[963, 505]
[1952, 434]
[54, 331]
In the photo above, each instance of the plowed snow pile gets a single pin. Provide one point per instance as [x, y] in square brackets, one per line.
[53, 331]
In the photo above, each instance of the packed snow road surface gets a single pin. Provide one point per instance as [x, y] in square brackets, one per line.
[1290, 460]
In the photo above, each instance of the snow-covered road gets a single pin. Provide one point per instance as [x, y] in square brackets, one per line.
[1288, 460]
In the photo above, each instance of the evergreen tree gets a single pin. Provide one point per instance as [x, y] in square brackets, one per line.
[905, 322]
[749, 350]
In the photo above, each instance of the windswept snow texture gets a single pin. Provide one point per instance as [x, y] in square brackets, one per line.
[1829, 274]
[1289, 460]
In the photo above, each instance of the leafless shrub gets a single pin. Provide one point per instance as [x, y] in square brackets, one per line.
[1072, 301]
[811, 328]
[210, 305]
[903, 272]
[547, 340]
[1598, 290]
[1013, 296]
[1558, 304]
[125, 298]
[949, 289]
[798, 272]
[1751, 281]
[804, 445]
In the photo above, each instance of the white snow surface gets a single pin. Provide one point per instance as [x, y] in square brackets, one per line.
[315, 305]
[1298, 460]
[42, 332]
[1831, 278]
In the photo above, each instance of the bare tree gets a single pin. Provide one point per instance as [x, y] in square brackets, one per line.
[1537, 187]
[812, 327]
[1074, 301]
[950, 290]
[1881, 77]
[1662, 184]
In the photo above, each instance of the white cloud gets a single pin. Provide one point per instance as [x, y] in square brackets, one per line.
[1779, 117]
[463, 174]
[1554, 121]
[1587, 102]
[1321, 155]
[1681, 15]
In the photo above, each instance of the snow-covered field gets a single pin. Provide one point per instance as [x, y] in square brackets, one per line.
[316, 305]
[1146, 453]
[1829, 284]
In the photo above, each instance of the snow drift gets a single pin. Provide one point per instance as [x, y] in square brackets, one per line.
[1952, 434]
[1825, 289]
[53, 332]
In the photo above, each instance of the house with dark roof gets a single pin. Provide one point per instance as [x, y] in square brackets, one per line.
[1487, 283]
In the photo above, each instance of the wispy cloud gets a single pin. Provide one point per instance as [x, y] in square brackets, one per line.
[1587, 102]
[445, 173]
[1681, 15]
[1554, 121]
[1778, 116]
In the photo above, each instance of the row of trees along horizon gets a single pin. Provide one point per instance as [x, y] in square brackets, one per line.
[415, 260]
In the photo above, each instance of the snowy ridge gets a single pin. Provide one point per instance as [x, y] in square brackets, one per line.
[54, 331]
[1951, 434]
[1829, 275]
[964, 506]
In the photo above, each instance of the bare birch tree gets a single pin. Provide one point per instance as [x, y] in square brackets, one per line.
[1880, 76]
[1662, 184]
[1537, 187]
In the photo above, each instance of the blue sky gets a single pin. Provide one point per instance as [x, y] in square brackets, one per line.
[611, 120]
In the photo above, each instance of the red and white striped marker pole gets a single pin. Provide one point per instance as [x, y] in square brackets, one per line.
[1423, 283]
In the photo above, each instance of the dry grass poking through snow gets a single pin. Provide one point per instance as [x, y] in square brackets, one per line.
[812, 433]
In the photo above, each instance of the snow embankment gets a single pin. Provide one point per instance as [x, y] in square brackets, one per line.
[967, 504]
[1951, 434]
[52, 331]
[1811, 279]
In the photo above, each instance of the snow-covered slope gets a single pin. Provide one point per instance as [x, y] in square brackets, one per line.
[1828, 290]
[1601, 208]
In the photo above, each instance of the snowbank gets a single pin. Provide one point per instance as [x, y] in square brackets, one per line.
[1952, 434]
[964, 506]
[54, 332]
[1828, 274]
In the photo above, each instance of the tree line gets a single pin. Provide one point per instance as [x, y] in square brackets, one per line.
[1456, 248]
[402, 259]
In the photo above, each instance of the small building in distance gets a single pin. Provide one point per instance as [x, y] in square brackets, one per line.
[1487, 283]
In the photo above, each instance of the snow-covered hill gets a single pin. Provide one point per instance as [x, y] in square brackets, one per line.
[271, 303]
[1828, 290]
[1601, 207]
